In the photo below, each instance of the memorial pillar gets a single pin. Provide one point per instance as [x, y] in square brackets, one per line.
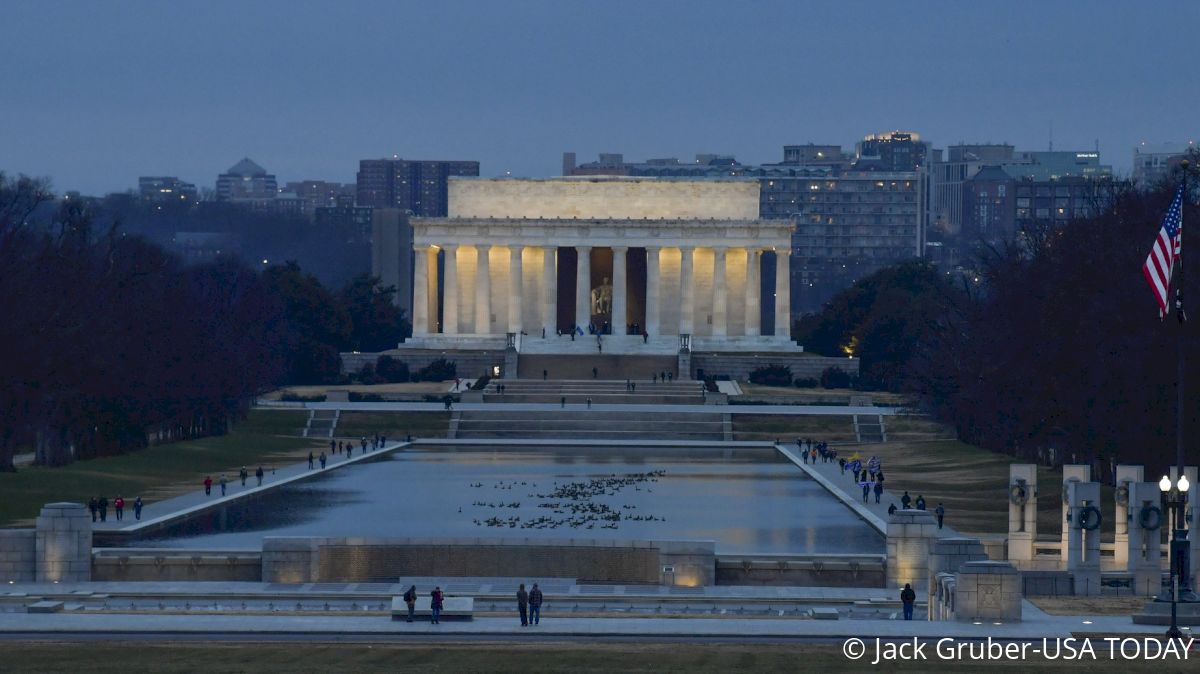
[720, 316]
[549, 290]
[652, 291]
[515, 288]
[783, 296]
[483, 290]
[450, 291]
[753, 286]
[420, 298]
[1126, 475]
[620, 317]
[687, 291]
[583, 287]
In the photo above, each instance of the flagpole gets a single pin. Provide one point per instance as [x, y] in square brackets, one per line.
[1180, 316]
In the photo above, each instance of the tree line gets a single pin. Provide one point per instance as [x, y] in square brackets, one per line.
[1051, 349]
[113, 343]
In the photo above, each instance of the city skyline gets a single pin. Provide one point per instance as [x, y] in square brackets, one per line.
[187, 92]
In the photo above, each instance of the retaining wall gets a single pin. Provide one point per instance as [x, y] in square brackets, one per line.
[18, 556]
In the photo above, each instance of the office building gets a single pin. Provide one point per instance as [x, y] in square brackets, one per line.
[418, 187]
[166, 189]
[248, 183]
[1153, 163]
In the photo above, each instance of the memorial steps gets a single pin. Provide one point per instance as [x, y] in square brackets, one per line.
[574, 424]
[611, 367]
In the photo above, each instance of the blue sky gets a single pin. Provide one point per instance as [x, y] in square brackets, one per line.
[94, 94]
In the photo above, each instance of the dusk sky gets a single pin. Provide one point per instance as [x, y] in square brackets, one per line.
[95, 94]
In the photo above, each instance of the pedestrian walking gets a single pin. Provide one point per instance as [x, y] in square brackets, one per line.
[907, 597]
[920, 502]
[941, 513]
[364, 444]
[523, 605]
[103, 508]
[137, 508]
[243, 473]
[94, 507]
[866, 487]
[803, 454]
[410, 598]
[311, 458]
[545, 373]
[333, 447]
[562, 402]
[322, 464]
[259, 474]
[905, 500]
[892, 509]
[119, 506]
[224, 481]
[207, 485]
[535, 604]
[878, 490]
[595, 373]
[589, 403]
[435, 605]
[655, 380]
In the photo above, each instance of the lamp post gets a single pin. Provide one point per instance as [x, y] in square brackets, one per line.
[1175, 496]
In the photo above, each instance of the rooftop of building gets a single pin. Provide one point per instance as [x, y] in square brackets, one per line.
[246, 167]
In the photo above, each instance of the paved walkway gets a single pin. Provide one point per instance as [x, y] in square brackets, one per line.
[1036, 626]
[842, 485]
[811, 410]
[158, 512]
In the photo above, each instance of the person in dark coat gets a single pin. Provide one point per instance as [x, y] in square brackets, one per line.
[941, 513]
[920, 502]
[137, 508]
[905, 500]
[878, 490]
[207, 485]
[258, 473]
[94, 507]
[535, 604]
[435, 605]
[523, 605]
[410, 598]
[103, 508]
[892, 509]
[243, 473]
[907, 597]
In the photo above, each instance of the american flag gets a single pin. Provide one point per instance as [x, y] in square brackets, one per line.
[1167, 247]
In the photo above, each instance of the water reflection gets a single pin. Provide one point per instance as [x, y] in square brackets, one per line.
[745, 500]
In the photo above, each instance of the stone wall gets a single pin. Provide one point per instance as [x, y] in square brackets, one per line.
[604, 198]
[802, 570]
[909, 536]
[18, 555]
[987, 591]
[300, 560]
[64, 543]
[738, 366]
[156, 564]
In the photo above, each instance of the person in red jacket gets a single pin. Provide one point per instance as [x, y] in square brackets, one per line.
[119, 504]
[207, 485]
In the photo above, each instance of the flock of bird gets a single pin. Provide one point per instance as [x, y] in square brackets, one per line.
[573, 500]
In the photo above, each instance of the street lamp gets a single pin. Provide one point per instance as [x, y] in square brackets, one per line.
[1175, 496]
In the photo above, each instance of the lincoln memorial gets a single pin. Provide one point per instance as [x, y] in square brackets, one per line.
[615, 264]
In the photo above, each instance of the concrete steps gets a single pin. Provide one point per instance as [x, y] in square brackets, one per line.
[870, 428]
[599, 391]
[575, 424]
[321, 423]
[609, 367]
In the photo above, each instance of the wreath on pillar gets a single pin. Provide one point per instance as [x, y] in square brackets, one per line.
[1089, 518]
[1150, 517]
[1018, 494]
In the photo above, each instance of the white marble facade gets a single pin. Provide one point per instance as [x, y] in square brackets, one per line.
[692, 275]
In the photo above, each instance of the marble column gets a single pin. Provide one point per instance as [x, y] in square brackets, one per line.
[783, 301]
[420, 298]
[720, 315]
[450, 291]
[583, 287]
[483, 290]
[515, 288]
[549, 290]
[687, 291]
[620, 317]
[652, 291]
[753, 287]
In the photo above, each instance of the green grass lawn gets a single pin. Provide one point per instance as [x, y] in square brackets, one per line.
[524, 658]
[153, 473]
[789, 427]
[394, 424]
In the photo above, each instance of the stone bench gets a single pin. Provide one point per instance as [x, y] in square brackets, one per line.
[44, 607]
[453, 608]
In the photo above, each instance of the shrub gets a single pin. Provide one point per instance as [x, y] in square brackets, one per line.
[772, 375]
[807, 382]
[297, 398]
[367, 375]
[836, 377]
[481, 383]
[391, 370]
[356, 397]
[439, 370]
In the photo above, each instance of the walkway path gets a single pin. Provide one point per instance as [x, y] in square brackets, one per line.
[819, 410]
[158, 512]
[842, 485]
